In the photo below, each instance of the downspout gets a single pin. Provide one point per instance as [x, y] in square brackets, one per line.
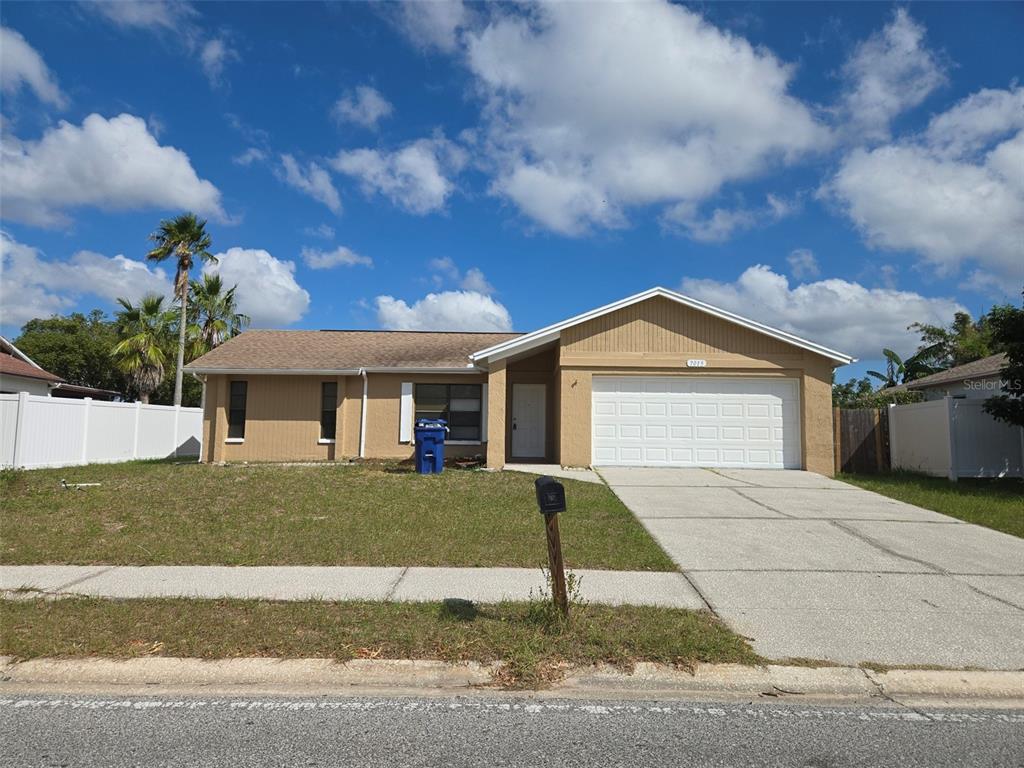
[362, 416]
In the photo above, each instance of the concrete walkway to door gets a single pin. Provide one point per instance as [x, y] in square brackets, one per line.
[810, 567]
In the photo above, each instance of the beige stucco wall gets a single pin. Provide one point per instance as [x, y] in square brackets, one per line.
[655, 338]
[283, 417]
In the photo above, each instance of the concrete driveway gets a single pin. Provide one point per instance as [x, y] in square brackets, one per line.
[809, 567]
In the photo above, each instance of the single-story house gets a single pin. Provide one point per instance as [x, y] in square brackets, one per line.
[20, 373]
[979, 379]
[656, 379]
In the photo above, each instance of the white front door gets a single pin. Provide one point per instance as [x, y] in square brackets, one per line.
[696, 421]
[528, 419]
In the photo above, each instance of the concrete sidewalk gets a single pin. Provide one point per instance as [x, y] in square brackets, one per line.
[339, 583]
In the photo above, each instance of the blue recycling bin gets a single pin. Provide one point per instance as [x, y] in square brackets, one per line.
[430, 434]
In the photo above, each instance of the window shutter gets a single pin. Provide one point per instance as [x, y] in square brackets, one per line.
[405, 414]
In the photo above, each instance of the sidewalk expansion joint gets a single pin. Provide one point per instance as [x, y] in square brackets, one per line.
[881, 692]
[740, 493]
[888, 550]
[394, 587]
[58, 589]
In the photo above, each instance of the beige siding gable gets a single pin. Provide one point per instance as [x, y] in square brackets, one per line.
[661, 326]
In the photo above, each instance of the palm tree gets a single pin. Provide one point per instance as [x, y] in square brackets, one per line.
[900, 371]
[213, 315]
[146, 333]
[183, 238]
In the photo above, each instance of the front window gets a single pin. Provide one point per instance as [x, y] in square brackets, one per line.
[458, 404]
[328, 409]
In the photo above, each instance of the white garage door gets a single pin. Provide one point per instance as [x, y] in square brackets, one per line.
[693, 421]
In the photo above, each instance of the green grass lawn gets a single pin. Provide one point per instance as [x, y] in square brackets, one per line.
[532, 645]
[997, 503]
[148, 513]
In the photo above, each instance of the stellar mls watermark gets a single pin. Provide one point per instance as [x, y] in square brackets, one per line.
[991, 385]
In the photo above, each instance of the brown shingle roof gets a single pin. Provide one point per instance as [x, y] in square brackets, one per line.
[345, 350]
[12, 366]
[986, 366]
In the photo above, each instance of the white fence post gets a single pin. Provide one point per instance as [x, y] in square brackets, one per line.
[177, 418]
[85, 429]
[135, 434]
[951, 426]
[19, 429]
[893, 440]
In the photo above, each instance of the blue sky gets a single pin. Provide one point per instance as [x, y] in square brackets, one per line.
[837, 170]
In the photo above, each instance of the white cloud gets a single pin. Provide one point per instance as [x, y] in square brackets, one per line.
[905, 197]
[33, 286]
[213, 57]
[21, 64]
[843, 315]
[447, 311]
[113, 164]
[316, 258]
[267, 290]
[314, 181]
[324, 231]
[445, 265]
[975, 121]
[250, 156]
[724, 223]
[628, 104]
[143, 14]
[890, 72]
[365, 107]
[475, 282]
[414, 177]
[802, 263]
[446, 270]
[433, 24]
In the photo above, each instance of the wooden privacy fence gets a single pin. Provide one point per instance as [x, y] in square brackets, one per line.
[861, 439]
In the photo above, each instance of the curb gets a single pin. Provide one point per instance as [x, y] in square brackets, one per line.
[157, 675]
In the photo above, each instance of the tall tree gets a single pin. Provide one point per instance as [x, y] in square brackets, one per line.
[963, 341]
[1008, 329]
[213, 315]
[76, 347]
[147, 333]
[185, 239]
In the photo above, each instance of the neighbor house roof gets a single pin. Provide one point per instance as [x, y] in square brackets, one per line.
[344, 352]
[550, 333]
[979, 369]
[14, 362]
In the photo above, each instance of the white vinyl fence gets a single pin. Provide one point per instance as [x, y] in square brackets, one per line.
[954, 437]
[40, 431]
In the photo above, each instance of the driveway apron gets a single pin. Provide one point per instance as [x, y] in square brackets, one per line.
[809, 567]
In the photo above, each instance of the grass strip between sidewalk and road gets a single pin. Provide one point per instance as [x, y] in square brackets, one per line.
[376, 514]
[533, 645]
[996, 503]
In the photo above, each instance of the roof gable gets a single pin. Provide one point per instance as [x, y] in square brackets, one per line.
[552, 332]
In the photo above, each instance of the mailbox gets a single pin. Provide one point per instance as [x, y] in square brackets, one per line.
[550, 495]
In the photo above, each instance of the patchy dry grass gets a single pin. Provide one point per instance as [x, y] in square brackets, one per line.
[149, 513]
[997, 503]
[533, 648]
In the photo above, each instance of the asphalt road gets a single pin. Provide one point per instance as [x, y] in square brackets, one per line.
[259, 732]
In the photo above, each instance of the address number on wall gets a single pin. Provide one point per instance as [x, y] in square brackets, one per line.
[696, 363]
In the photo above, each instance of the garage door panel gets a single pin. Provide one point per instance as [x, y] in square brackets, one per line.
[695, 421]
